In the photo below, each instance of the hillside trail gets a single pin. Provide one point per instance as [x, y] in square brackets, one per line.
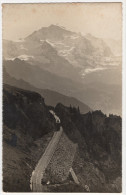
[38, 173]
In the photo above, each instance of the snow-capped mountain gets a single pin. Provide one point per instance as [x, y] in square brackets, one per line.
[62, 52]
[80, 66]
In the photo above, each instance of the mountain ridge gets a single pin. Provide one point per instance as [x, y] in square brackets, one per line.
[51, 97]
[106, 97]
[79, 52]
[67, 63]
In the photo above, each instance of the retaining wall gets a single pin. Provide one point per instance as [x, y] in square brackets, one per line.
[61, 162]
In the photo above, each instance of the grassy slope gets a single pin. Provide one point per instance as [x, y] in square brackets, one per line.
[19, 161]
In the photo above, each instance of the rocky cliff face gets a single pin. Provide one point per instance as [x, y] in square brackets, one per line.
[26, 110]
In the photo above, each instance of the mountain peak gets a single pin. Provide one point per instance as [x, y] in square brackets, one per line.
[54, 26]
[54, 32]
[57, 26]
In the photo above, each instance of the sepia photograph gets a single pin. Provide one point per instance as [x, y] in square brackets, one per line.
[62, 97]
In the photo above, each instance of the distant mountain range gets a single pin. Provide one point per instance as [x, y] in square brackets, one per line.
[52, 98]
[69, 63]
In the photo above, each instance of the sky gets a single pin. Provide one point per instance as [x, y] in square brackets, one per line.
[103, 20]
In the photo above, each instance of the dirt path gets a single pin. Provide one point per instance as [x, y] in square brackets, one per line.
[39, 171]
